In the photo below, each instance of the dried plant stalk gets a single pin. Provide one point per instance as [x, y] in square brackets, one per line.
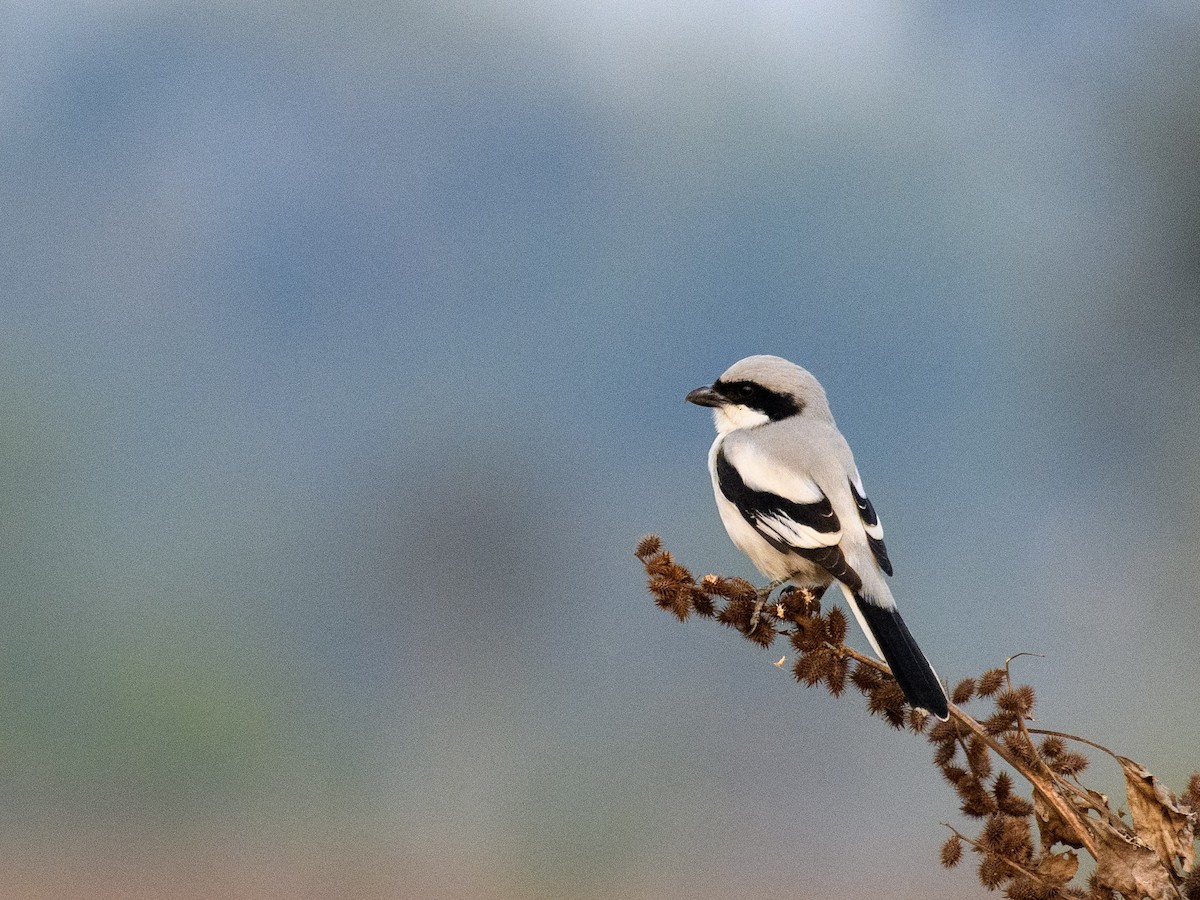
[1154, 857]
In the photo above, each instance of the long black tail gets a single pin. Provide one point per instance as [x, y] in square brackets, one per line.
[912, 670]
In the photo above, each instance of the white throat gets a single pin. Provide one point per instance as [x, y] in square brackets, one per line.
[735, 418]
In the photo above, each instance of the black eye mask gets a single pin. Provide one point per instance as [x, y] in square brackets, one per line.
[772, 404]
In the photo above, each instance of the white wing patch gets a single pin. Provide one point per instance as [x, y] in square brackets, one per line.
[783, 528]
[762, 473]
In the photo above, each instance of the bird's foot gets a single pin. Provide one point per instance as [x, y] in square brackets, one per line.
[754, 616]
[762, 596]
[764, 593]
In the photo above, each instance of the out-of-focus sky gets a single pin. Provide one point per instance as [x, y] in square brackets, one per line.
[343, 355]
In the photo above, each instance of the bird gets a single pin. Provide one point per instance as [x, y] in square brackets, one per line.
[791, 498]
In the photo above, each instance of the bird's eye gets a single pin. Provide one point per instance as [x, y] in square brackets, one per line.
[743, 393]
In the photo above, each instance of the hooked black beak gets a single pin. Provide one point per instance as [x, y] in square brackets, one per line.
[706, 396]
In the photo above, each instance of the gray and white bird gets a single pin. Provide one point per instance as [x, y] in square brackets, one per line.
[792, 500]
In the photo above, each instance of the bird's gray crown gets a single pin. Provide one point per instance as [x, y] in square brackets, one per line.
[773, 385]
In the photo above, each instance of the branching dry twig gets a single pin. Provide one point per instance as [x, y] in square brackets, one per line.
[1153, 858]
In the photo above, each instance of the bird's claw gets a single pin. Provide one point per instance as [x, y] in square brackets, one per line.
[765, 592]
[762, 596]
[754, 616]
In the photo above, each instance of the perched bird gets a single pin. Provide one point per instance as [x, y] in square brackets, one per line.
[792, 500]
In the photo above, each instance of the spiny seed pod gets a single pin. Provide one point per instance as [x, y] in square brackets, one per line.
[990, 682]
[963, 691]
[952, 852]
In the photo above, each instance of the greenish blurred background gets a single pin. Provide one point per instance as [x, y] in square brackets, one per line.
[343, 352]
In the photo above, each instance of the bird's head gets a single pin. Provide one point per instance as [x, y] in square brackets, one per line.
[761, 389]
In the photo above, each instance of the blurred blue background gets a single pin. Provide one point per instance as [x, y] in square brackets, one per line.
[344, 350]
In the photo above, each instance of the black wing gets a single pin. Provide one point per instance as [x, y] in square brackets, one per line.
[810, 530]
[874, 530]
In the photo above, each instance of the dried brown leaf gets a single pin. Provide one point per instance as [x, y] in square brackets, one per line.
[1051, 826]
[1159, 818]
[1130, 866]
[1099, 801]
[1058, 868]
